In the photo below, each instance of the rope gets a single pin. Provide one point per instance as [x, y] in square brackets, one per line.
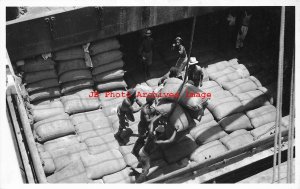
[277, 138]
[291, 125]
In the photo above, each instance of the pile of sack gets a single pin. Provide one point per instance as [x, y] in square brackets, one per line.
[40, 80]
[73, 72]
[107, 65]
[76, 81]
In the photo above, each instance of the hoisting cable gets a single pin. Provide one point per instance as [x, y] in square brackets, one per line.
[291, 125]
[190, 49]
[277, 138]
[187, 64]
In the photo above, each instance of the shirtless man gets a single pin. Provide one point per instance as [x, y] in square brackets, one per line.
[125, 112]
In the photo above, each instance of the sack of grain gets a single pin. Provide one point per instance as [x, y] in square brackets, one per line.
[242, 70]
[106, 57]
[64, 156]
[94, 125]
[207, 151]
[262, 115]
[261, 110]
[112, 85]
[130, 159]
[42, 112]
[43, 84]
[51, 128]
[215, 75]
[264, 130]
[206, 118]
[61, 142]
[263, 119]
[180, 149]
[44, 94]
[80, 102]
[207, 132]
[211, 87]
[240, 86]
[73, 86]
[104, 45]
[256, 81]
[73, 173]
[96, 116]
[235, 122]
[69, 54]
[32, 77]
[170, 89]
[223, 107]
[38, 64]
[94, 133]
[165, 108]
[47, 163]
[68, 65]
[124, 176]
[97, 145]
[219, 66]
[109, 103]
[181, 120]
[192, 97]
[228, 77]
[75, 75]
[220, 94]
[118, 64]
[102, 164]
[108, 76]
[253, 99]
[237, 139]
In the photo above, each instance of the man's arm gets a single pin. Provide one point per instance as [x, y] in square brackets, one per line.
[170, 140]
[152, 122]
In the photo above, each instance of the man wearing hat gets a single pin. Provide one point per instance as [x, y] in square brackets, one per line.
[182, 56]
[195, 74]
[125, 112]
[145, 51]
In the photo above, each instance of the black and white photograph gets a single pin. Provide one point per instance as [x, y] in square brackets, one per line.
[149, 94]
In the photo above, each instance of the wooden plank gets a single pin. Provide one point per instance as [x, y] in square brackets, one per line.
[39, 171]
[23, 152]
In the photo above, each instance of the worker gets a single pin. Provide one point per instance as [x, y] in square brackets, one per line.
[195, 73]
[173, 73]
[182, 56]
[145, 52]
[243, 30]
[147, 113]
[125, 112]
[155, 128]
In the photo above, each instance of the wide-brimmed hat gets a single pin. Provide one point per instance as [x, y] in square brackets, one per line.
[147, 32]
[193, 61]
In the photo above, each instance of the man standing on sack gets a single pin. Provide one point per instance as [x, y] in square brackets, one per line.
[182, 56]
[145, 52]
[195, 73]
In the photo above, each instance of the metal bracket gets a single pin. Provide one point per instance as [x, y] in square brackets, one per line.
[50, 22]
[100, 15]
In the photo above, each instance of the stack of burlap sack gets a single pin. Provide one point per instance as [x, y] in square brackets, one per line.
[107, 64]
[76, 81]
